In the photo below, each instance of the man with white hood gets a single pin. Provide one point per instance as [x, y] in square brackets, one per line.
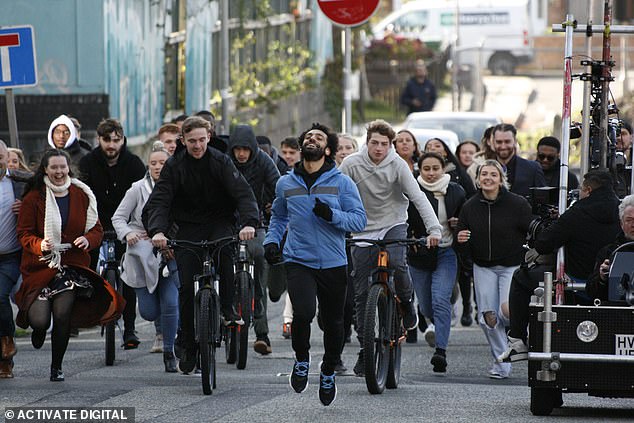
[386, 185]
[63, 135]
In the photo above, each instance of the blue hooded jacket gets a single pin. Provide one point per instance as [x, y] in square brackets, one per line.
[311, 240]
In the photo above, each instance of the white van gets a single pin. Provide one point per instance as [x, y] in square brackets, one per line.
[493, 33]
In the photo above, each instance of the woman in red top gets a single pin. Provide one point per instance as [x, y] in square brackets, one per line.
[57, 226]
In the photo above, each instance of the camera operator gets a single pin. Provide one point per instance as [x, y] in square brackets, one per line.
[548, 149]
[623, 159]
[597, 285]
[582, 229]
[590, 222]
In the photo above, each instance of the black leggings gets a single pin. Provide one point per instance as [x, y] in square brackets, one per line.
[40, 319]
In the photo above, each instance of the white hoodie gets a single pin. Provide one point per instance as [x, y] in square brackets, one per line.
[383, 188]
[62, 120]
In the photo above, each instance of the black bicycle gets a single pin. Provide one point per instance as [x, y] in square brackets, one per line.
[384, 331]
[207, 327]
[237, 336]
[110, 272]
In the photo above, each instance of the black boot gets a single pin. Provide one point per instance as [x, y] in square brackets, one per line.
[57, 375]
[38, 336]
[169, 359]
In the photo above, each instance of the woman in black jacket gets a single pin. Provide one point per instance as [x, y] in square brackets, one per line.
[492, 228]
[434, 271]
[453, 168]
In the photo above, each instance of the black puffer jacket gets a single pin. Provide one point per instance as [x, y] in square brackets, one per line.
[583, 229]
[203, 191]
[110, 183]
[498, 228]
[259, 171]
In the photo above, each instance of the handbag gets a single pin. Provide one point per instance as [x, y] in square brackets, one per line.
[68, 279]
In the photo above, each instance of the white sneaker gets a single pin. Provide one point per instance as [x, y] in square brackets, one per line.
[516, 351]
[430, 335]
[500, 371]
[157, 347]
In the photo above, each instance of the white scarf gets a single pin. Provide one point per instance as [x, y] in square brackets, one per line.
[439, 186]
[53, 219]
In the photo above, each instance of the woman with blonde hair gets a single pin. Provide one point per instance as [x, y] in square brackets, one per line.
[17, 160]
[492, 228]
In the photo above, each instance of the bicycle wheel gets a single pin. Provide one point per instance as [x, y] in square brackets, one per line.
[231, 341]
[394, 368]
[206, 341]
[376, 339]
[245, 307]
[111, 277]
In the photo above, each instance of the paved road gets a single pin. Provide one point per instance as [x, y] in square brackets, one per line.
[261, 392]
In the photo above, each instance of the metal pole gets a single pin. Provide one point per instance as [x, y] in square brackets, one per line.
[455, 95]
[587, 87]
[347, 74]
[605, 84]
[13, 122]
[225, 87]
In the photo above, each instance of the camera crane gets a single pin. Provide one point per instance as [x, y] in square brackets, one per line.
[599, 149]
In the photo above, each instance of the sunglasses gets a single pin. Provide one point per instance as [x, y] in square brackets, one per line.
[542, 156]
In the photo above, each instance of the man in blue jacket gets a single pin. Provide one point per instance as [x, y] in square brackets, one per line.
[318, 205]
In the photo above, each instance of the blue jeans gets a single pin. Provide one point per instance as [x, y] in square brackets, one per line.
[163, 303]
[433, 289]
[9, 274]
[492, 285]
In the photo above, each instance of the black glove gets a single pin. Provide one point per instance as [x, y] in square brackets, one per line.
[322, 210]
[272, 254]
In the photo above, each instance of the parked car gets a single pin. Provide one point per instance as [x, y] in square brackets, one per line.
[465, 125]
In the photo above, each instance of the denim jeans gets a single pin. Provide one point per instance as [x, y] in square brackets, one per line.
[364, 261]
[433, 289]
[492, 285]
[163, 304]
[9, 274]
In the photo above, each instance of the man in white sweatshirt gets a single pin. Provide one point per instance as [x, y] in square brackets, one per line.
[386, 185]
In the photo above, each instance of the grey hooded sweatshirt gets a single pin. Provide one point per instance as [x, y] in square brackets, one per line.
[386, 190]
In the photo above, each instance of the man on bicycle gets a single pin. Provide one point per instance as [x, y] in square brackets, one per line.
[196, 198]
[386, 185]
[261, 173]
[318, 205]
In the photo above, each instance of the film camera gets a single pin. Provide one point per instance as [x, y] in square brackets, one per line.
[543, 201]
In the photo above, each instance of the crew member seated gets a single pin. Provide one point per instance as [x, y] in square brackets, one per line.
[589, 223]
[597, 285]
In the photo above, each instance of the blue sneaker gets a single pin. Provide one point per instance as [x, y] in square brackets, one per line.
[299, 376]
[327, 389]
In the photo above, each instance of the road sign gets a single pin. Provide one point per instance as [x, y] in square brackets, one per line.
[348, 12]
[17, 57]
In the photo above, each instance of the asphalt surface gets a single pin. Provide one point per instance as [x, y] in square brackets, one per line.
[261, 393]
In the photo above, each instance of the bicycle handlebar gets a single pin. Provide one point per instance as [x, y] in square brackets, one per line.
[175, 243]
[386, 242]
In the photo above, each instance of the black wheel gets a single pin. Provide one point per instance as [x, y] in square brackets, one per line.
[110, 277]
[502, 64]
[543, 400]
[394, 368]
[231, 341]
[206, 340]
[376, 338]
[245, 308]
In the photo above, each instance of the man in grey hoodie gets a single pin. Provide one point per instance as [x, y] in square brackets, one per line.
[386, 185]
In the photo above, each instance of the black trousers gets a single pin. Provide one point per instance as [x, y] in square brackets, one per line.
[190, 264]
[129, 312]
[523, 284]
[329, 287]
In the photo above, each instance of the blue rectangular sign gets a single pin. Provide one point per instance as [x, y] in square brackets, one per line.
[17, 57]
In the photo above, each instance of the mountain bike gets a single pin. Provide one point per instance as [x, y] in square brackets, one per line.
[384, 331]
[110, 272]
[237, 336]
[207, 327]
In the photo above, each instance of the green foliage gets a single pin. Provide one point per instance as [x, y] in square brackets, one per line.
[398, 48]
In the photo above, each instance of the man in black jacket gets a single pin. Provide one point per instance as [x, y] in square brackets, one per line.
[419, 94]
[262, 175]
[197, 198]
[548, 157]
[597, 285]
[522, 174]
[591, 222]
[109, 170]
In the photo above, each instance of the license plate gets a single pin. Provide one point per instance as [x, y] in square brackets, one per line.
[624, 345]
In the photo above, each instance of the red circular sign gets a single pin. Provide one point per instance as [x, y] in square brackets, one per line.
[348, 12]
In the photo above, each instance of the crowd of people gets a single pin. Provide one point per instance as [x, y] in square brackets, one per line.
[295, 206]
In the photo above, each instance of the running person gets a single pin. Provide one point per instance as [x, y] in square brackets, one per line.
[318, 205]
